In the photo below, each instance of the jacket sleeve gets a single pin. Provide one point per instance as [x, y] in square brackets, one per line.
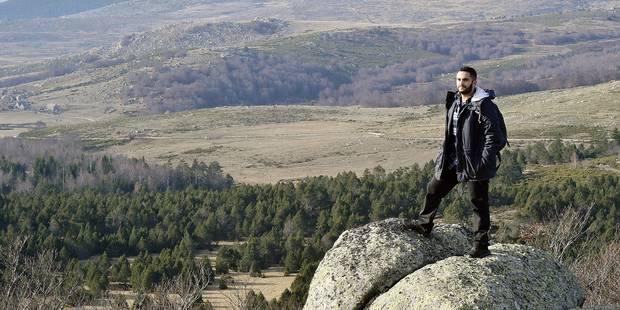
[494, 139]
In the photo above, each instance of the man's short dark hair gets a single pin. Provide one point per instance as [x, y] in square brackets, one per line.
[471, 71]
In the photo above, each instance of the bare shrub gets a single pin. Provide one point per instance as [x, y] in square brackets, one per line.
[596, 265]
[599, 274]
[237, 296]
[562, 234]
[184, 291]
[37, 282]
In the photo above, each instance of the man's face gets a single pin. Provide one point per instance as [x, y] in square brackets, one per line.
[464, 82]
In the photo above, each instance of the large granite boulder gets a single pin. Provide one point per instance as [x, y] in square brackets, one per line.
[370, 259]
[383, 266]
[514, 277]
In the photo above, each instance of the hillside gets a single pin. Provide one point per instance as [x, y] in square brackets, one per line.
[266, 144]
[202, 64]
[196, 35]
[97, 24]
[392, 11]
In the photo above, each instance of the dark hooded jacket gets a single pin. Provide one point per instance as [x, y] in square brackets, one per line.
[479, 137]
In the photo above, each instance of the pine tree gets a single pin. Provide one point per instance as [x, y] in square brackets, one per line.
[310, 254]
[123, 270]
[294, 248]
[136, 274]
[271, 247]
[227, 258]
[97, 276]
[255, 301]
[301, 284]
[255, 270]
[557, 152]
[221, 267]
[149, 277]
[251, 255]
[322, 224]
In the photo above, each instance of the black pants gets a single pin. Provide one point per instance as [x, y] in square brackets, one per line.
[479, 194]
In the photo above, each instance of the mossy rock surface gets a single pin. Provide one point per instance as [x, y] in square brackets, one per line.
[513, 277]
[368, 260]
[381, 265]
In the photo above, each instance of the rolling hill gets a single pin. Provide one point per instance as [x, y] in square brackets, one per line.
[204, 64]
[270, 143]
[43, 30]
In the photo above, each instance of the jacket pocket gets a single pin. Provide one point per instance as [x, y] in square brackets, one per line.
[473, 162]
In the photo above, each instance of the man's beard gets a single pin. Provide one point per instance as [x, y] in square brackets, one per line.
[468, 90]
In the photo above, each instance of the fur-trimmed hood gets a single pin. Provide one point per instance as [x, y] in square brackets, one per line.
[481, 94]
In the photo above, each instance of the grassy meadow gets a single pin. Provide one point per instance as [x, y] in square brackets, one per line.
[270, 143]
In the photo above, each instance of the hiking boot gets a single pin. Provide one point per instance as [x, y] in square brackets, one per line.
[422, 229]
[479, 251]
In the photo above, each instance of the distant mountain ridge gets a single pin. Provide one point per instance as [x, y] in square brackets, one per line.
[372, 11]
[26, 9]
[81, 25]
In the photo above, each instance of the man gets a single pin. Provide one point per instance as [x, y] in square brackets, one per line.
[472, 139]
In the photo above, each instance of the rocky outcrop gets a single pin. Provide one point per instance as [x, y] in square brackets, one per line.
[383, 266]
[370, 259]
[514, 277]
[184, 36]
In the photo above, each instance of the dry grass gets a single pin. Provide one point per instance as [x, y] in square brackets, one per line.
[271, 143]
[267, 144]
[570, 113]
[271, 286]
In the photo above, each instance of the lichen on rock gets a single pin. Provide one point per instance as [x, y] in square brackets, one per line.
[382, 265]
[367, 260]
[513, 277]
